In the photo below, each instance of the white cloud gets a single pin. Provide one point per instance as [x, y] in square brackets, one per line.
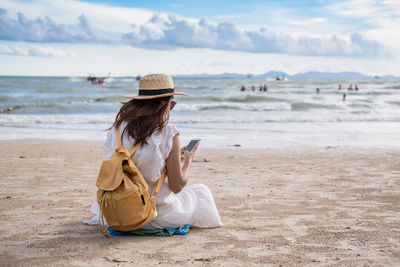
[35, 50]
[169, 32]
[307, 22]
[365, 9]
[41, 51]
[45, 30]
[380, 19]
[104, 17]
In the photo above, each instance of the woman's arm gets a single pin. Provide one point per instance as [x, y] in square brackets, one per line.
[177, 174]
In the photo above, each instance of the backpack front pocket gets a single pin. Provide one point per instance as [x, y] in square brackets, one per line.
[131, 210]
[109, 212]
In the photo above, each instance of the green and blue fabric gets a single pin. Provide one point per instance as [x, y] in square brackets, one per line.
[182, 230]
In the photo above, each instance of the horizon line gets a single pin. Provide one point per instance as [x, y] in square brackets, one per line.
[218, 74]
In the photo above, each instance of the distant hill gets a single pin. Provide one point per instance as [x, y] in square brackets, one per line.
[273, 74]
[221, 75]
[303, 75]
[330, 75]
[270, 74]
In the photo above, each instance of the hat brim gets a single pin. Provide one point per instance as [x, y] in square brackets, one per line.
[155, 96]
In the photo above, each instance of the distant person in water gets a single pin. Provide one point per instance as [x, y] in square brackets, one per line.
[265, 88]
[253, 88]
[340, 87]
[261, 88]
[344, 97]
[356, 87]
[350, 87]
[242, 89]
[317, 91]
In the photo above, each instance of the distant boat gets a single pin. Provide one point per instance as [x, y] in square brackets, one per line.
[280, 78]
[97, 80]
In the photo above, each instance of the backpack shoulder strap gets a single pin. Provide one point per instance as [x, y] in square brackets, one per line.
[120, 148]
[119, 142]
[135, 147]
[160, 181]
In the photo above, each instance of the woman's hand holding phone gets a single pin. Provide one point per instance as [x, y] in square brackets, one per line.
[187, 152]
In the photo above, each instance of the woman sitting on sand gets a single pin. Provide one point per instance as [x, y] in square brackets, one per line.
[144, 119]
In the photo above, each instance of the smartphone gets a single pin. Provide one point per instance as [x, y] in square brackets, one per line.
[192, 144]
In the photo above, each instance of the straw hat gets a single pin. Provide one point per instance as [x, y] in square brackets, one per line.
[155, 86]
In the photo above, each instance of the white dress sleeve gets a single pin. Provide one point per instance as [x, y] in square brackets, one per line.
[110, 143]
[157, 152]
[169, 134]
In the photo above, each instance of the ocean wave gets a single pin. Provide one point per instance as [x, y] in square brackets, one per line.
[299, 92]
[40, 105]
[393, 87]
[359, 105]
[51, 108]
[31, 107]
[104, 120]
[184, 107]
[301, 106]
[366, 100]
[220, 107]
[191, 87]
[376, 93]
[28, 119]
[57, 101]
[58, 90]
[203, 98]
[112, 98]
[4, 98]
[200, 87]
[289, 119]
[396, 103]
[237, 99]
[256, 98]
[114, 86]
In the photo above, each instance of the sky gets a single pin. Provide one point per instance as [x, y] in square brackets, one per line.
[129, 38]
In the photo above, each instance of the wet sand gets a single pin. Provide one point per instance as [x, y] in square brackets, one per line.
[315, 206]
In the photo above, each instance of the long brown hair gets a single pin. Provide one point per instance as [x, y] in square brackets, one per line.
[143, 117]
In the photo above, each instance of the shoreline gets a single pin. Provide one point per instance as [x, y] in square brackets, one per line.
[271, 135]
[300, 206]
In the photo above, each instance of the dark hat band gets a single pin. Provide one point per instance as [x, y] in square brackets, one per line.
[157, 91]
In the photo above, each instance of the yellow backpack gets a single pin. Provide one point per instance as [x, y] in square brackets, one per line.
[124, 196]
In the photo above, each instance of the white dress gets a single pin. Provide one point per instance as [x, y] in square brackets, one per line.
[193, 205]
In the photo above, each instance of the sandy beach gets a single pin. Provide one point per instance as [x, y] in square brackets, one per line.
[293, 207]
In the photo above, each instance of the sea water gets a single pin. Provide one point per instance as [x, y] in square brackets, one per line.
[290, 114]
